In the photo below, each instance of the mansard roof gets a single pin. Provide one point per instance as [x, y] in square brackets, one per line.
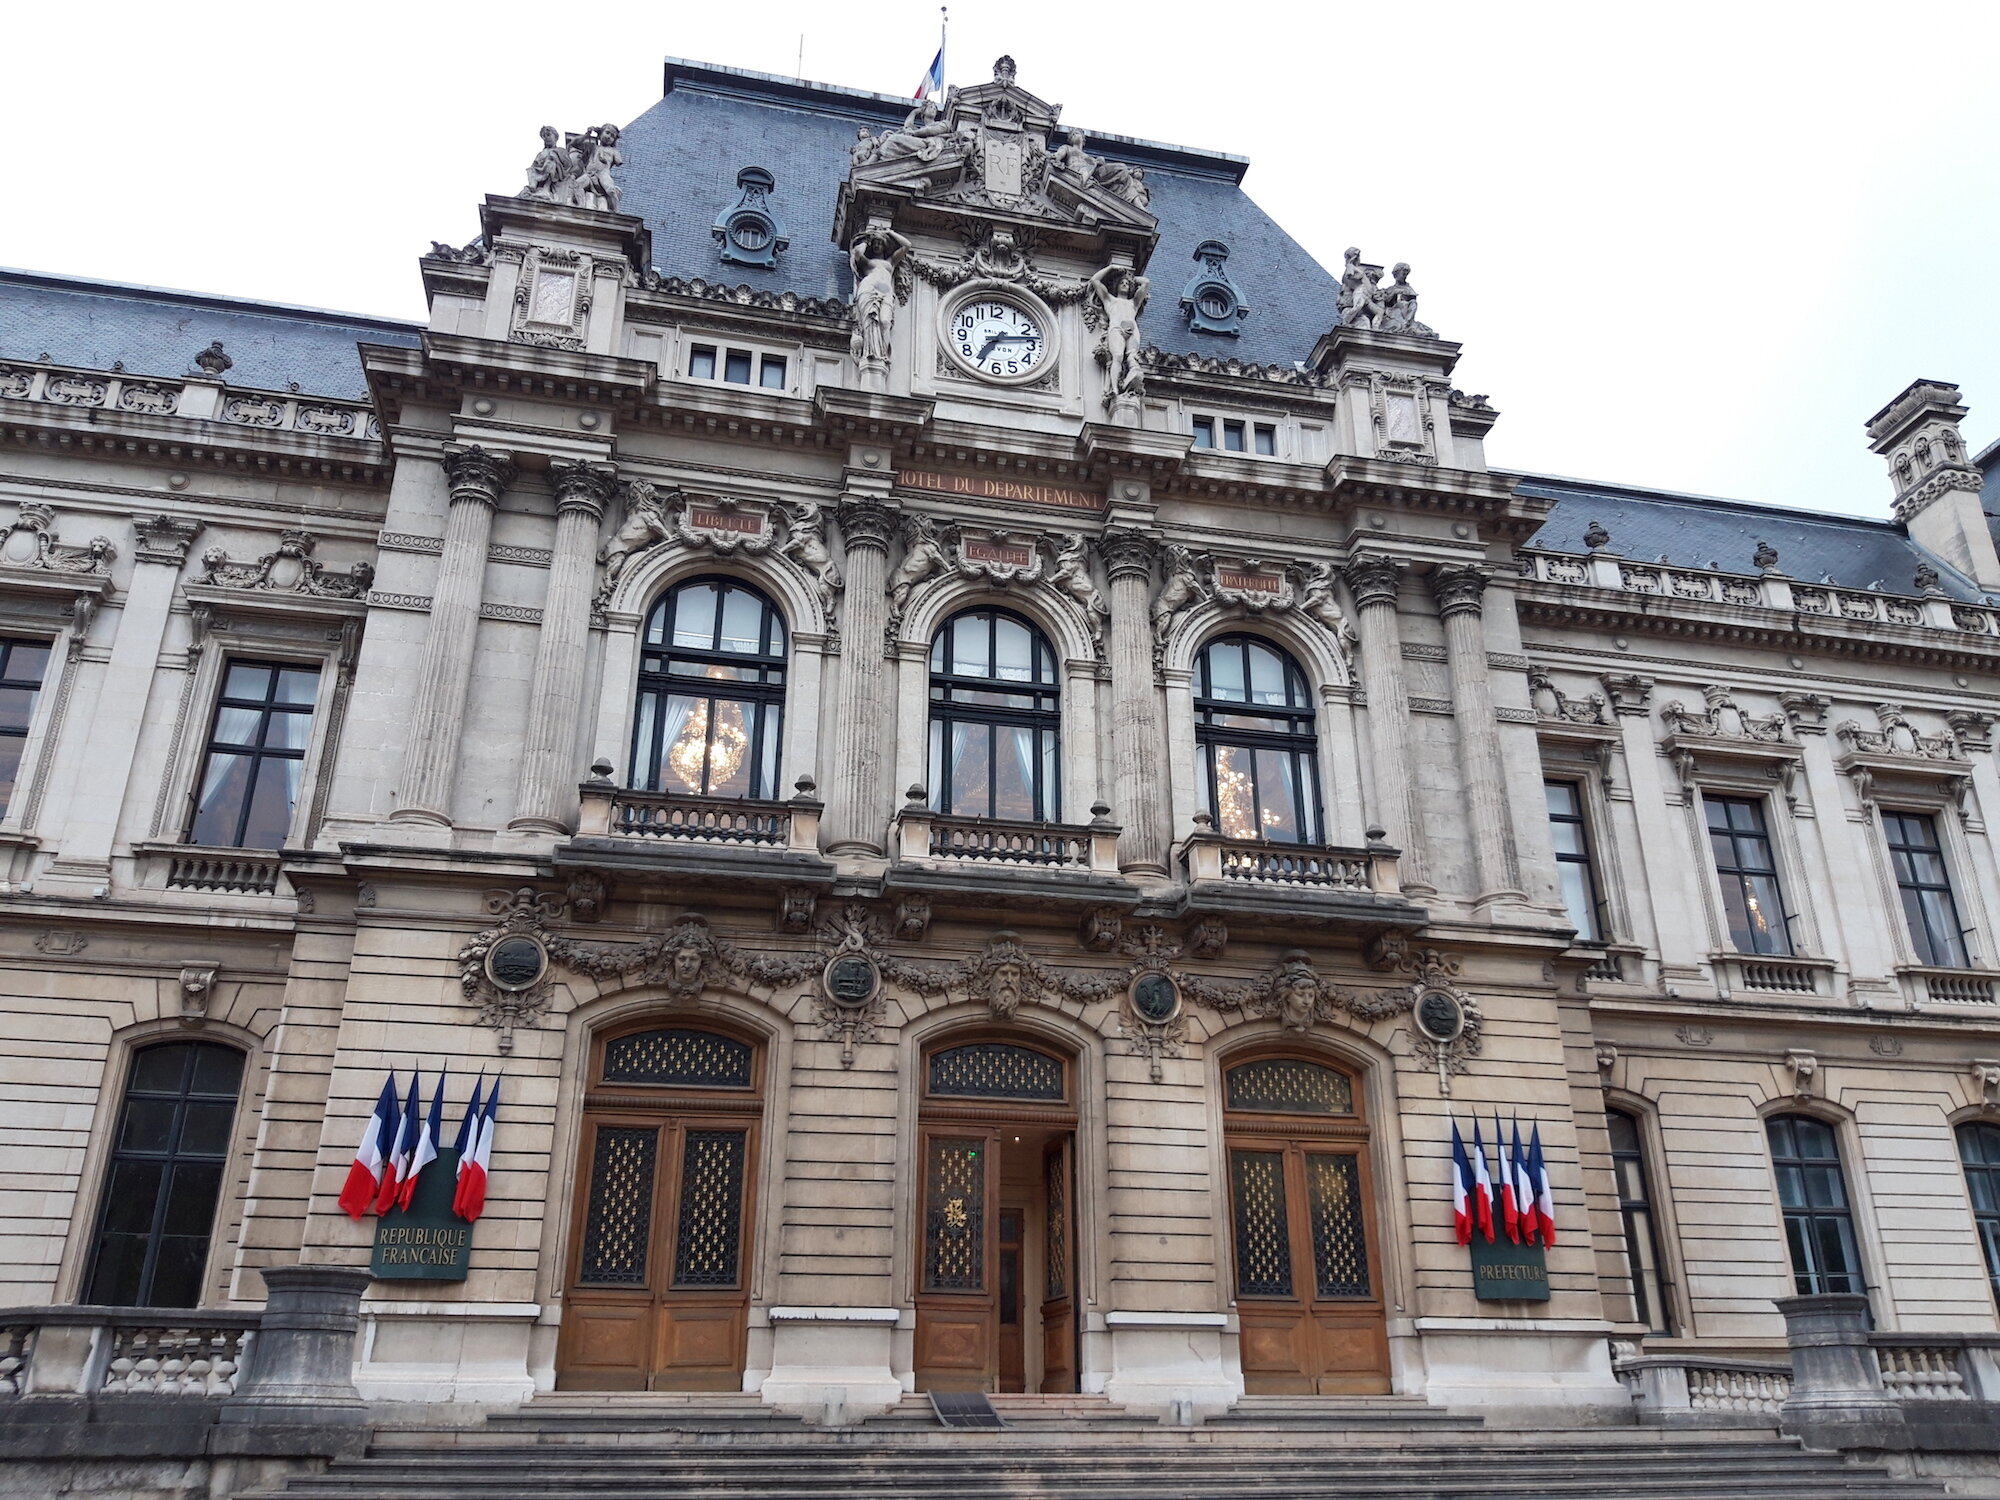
[683, 154]
[1700, 531]
[74, 320]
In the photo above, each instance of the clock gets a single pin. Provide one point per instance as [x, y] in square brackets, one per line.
[997, 338]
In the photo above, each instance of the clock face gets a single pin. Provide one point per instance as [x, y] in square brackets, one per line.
[997, 338]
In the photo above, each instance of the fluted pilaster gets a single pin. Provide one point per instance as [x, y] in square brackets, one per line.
[546, 795]
[857, 808]
[1137, 776]
[1374, 582]
[479, 476]
[1460, 592]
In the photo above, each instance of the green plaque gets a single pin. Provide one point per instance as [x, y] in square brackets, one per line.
[427, 1241]
[1506, 1272]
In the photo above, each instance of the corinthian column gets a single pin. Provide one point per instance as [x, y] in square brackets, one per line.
[1458, 591]
[546, 793]
[857, 810]
[478, 476]
[1135, 709]
[1373, 581]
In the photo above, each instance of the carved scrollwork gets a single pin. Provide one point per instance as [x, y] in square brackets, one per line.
[29, 541]
[1723, 718]
[290, 569]
[1293, 994]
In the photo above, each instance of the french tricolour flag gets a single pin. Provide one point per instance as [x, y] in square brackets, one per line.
[1524, 1184]
[1510, 1205]
[933, 76]
[470, 1200]
[425, 1151]
[1461, 1188]
[397, 1163]
[378, 1139]
[1545, 1200]
[1482, 1185]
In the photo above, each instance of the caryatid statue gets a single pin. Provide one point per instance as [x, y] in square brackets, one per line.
[875, 255]
[1122, 293]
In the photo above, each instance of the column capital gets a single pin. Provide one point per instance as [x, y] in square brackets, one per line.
[1127, 553]
[586, 487]
[1374, 578]
[867, 522]
[476, 473]
[1629, 693]
[1458, 588]
[165, 539]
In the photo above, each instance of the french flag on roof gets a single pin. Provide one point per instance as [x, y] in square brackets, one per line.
[371, 1156]
[933, 76]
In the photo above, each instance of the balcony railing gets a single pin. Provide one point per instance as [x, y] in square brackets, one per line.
[124, 1351]
[249, 872]
[928, 837]
[616, 812]
[1747, 974]
[1924, 985]
[1208, 856]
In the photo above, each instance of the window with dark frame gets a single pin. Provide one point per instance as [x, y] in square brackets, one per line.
[711, 693]
[1924, 881]
[996, 719]
[1575, 870]
[1979, 1152]
[256, 756]
[1635, 1206]
[1812, 1192]
[736, 367]
[1267, 440]
[1747, 866]
[1232, 437]
[1256, 750]
[1204, 432]
[701, 362]
[165, 1176]
[22, 666]
[771, 372]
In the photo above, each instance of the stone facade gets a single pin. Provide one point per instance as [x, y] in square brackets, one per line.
[467, 556]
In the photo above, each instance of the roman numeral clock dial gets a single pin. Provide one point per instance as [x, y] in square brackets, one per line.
[997, 339]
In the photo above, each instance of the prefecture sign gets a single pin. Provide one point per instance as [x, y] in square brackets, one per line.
[1506, 1272]
[985, 487]
[426, 1242]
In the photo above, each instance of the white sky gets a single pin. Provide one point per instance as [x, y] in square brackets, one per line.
[1691, 245]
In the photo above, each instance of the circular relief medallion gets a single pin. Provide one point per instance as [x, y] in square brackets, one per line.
[1156, 999]
[516, 963]
[851, 980]
[1440, 1015]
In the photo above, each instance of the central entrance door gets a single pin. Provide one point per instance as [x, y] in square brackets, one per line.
[1301, 1202]
[659, 1293]
[995, 1304]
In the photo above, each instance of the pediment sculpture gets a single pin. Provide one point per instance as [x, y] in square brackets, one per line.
[1724, 718]
[30, 542]
[291, 569]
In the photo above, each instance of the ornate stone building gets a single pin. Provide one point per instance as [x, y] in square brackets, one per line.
[973, 737]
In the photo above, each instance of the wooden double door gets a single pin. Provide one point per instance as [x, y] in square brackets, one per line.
[1301, 1200]
[996, 1296]
[658, 1295]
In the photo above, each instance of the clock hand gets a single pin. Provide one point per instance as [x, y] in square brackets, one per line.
[986, 348]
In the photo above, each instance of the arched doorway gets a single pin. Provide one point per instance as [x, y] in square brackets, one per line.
[1308, 1276]
[659, 1292]
[996, 1226]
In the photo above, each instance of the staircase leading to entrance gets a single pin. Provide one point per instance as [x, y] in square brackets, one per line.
[1072, 1447]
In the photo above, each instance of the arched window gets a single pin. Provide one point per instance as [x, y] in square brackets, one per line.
[1635, 1205]
[995, 718]
[711, 693]
[166, 1172]
[1254, 741]
[1819, 1224]
[1979, 1150]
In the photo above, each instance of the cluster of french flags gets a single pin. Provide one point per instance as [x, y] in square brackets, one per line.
[399, 1141]
[1523, 1208]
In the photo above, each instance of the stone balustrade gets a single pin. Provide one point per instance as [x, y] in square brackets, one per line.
[124, 1351]
[1674, 1390]
[1208, 856]
[614, 812]
[190, 398]
[925, 836]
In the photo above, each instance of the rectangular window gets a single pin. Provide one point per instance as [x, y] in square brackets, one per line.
[1748, 869]
[736, 367]
[701, 362]
[1979, 1150]
[256, 756]
[1204, 432]
[1267, 440]
[772, 372]
[1819, 1226]
[22, 664]
[1635, 1205]
[1574, 870]
[1925, 884]
[1232, 437]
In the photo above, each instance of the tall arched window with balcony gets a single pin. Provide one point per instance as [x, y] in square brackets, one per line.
[1257, 753]
[711, 693]
[995, 719]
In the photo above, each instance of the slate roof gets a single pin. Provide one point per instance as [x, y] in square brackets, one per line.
[683, 154]
[96, 324]
[1698, 531]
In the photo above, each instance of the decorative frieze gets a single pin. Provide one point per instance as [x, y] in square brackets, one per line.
[289, 569]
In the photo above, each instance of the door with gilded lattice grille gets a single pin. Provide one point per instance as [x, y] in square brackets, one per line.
[1307, 1276]
[958, 1275]
[658, 1295]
